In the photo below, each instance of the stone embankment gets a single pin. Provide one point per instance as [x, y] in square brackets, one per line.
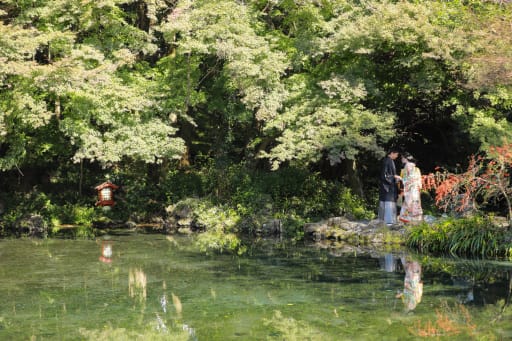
[363, 232]
[180, 219]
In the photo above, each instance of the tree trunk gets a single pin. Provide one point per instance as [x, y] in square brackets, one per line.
[351, 176]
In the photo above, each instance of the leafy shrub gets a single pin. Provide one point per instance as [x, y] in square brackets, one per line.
[75, 214]
[293, 226]
[54, 215]
[352, 205]
[293, 195]
[137, 197]
[487, 179]
[179, 185]
[21, 205]
[220, 225]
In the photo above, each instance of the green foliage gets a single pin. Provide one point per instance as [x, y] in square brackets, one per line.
[21, 204]
[75, 232]
[179, 185]
[217, 224]
[241, 200]
[54, 214]
[293, 225]
[354, 206]
[366, 63]
[218, 84]
[76, 214]
[72, 79]
[227, 31]
[139, 198]
[327, 121]
[221, 228]
[475, 236]
[288, 191]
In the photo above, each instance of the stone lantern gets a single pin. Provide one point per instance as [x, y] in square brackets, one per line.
[106, 194]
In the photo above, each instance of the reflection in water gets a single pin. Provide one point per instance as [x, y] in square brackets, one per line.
[106, 252]
[161, 325]
[191, 331]
[177, 304]
[163, 302]
[450, 321]
[137, 283]
[163, 298]
[413, 286]
[389, 262]
[322, 296]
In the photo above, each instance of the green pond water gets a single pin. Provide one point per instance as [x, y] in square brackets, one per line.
[153, 287]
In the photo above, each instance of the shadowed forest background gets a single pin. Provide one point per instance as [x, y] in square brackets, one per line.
[245, 110]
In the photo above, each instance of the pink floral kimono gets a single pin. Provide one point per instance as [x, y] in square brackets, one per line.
[411, 210]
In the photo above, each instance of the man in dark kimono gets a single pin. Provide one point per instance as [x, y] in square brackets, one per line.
[388, 190]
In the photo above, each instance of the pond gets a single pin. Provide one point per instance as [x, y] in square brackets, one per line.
[150, 286]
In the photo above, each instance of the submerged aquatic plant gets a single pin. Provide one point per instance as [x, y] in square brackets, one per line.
[111, 333]
[287, 328]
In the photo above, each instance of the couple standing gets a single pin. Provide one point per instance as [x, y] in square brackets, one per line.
[410, 178]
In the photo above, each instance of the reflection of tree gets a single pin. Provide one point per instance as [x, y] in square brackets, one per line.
[507, 299]
[449, 321]
[480, 270]
[177, 304]
[489, 279]
[137, 284]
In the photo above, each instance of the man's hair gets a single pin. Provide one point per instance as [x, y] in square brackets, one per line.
[393, 150]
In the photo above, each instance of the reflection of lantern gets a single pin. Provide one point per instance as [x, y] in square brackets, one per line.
[106, 252]
[106, 194]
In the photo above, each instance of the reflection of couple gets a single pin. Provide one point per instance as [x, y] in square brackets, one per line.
[413, 286]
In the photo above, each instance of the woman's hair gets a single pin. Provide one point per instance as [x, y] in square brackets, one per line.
[408, 157]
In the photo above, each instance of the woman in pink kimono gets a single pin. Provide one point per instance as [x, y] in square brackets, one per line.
[410, 175]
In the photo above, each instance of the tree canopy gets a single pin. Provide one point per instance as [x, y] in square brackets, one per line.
[288, 82]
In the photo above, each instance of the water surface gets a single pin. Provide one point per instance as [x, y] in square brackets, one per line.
[155, 287]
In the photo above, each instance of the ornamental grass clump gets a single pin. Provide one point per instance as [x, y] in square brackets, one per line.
[473, 236]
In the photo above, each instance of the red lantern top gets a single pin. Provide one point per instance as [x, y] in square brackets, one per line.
[106, 194]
